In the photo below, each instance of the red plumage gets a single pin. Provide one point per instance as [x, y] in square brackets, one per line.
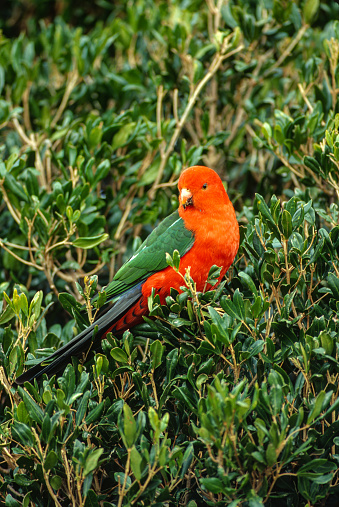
[211, 217]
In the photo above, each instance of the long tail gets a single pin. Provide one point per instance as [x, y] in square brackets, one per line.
[80, 343]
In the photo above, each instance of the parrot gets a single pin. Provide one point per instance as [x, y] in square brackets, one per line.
[204, 230]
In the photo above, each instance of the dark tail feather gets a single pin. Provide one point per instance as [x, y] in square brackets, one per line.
[82, 341]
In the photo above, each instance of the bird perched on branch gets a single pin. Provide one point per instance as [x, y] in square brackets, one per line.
[205, 232]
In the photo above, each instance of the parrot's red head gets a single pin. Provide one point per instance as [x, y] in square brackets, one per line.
[207, 211]
[200, 188]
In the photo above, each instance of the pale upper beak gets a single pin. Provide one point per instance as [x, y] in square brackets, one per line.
[185, 194]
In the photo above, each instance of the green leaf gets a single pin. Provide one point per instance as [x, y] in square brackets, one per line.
[153, 418]
[311, 162]
[136, 462]
[267, 131]
[119, 355]
[255, 502]
[82, 407]
[56, 482]
[333, 283]
[34, 411]
[176, 260]
[22, 413]
[12, 185]
[11, 502]
[164, 422]
[130, 427]
[7, 315]
[278, 134]
[265, 211]
[94, 137]
[212, 484]
[253, 350]
[327, 342]
[213, 274]
[171, 364]
[218, 327]
[101, 364]
[247, 280]
[122, 135]
[316, 467]
[22, 433]
[317, 407]
[91, 499]
[35, 306]
[169, 260]
[95, 414]
[310, 10]
[184, 395]
[298, 217]
[234, 308]
[286, 223]
[46, 429]
[89, 242]
[23, 304]
[121, 369]
[271, 455]
[187, 459]
[202, 379]
[51, 460]
[92, 460]
[157, 350]
[276, 398]
[101, 171]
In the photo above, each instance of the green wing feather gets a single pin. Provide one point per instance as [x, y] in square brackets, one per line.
[171, 234]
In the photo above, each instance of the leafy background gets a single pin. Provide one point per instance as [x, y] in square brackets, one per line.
[225, 398]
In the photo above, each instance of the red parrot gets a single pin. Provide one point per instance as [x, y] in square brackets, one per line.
[204, 230]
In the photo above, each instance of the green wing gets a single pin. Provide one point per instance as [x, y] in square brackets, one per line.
[171, 234]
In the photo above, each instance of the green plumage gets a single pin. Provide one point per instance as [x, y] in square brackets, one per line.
[171, 234]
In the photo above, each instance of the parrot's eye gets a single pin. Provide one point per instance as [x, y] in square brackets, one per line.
[204, 186]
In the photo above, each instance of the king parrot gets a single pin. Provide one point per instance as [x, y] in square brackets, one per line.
[205, 232]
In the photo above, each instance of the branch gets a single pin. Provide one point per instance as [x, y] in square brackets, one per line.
[20, 259]
[216, 62]
[287, 51]
[71, 83]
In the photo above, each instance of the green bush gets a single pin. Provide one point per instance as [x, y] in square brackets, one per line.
[229, 397]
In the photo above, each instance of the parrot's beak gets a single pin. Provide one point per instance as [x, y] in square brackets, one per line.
[186, 198]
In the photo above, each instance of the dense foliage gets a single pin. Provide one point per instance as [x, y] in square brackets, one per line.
[223, 398]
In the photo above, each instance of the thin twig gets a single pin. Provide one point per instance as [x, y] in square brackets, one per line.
[25, 101]
[21, 132]
[128, 207]
[287, 51]
[20, 259]
[45, 472]
[71, 83]
[217, 61]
